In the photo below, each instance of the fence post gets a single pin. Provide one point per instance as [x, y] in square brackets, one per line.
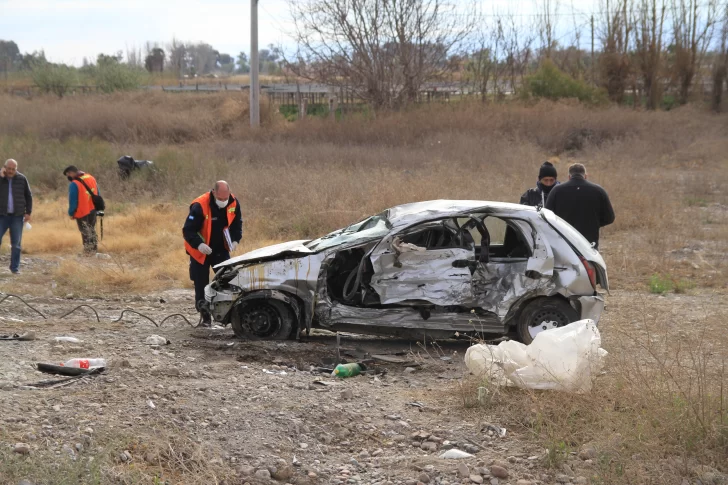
[332, 108]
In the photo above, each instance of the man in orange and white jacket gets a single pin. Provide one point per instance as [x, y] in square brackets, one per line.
[204, 234]
[81, 206]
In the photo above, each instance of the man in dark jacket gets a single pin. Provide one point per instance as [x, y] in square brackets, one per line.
[537, 196]
[16, 204]
[582, 204]
[213, 229]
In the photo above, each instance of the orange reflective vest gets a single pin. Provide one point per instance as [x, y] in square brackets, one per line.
[204, 201]
[85, 204]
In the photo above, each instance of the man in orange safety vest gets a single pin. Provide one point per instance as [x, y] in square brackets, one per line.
[213, 217]
[81, 206]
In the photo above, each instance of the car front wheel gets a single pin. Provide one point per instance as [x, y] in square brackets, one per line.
[263, 320]
[544, 314]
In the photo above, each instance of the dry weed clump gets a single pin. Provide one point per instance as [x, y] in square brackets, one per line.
[155, 457]
[659, 410]
[302, 180]
[143, 244]
[139, 117]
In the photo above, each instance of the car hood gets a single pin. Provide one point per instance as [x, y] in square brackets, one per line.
[269, 253]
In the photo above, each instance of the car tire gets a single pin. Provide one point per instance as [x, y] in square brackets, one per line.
[544, 313]
[263, 320]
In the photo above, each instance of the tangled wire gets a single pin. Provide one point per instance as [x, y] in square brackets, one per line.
[98, 319]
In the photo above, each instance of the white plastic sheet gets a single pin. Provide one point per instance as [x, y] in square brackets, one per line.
[565, 358]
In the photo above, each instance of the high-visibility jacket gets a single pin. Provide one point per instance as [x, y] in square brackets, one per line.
[85, 205]
[204, 201]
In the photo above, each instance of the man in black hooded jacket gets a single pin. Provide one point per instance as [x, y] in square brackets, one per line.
[538, 195]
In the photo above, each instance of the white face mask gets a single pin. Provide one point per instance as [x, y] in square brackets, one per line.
[221, 203]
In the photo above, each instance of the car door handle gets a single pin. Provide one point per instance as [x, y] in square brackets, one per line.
[464, 263]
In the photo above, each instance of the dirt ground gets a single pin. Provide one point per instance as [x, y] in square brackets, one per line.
[208, 408]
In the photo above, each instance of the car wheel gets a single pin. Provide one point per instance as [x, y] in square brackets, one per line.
[263, 320]
[544, 314]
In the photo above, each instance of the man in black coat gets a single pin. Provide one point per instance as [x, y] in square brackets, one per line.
[582, 204]
[536, 197]
[16, 204]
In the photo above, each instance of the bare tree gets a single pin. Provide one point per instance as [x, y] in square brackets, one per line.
[479, 66]
[177, 57]
[518, 40]
[382, 50]
[648, 32]
[572, 58]
[614, 60]
[692, 24]
[548, 13]
[720, 65]
[134, 56]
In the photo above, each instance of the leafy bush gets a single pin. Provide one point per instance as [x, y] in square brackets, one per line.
[54, 79]
[551, 83]
[660, 284]
[112, 77]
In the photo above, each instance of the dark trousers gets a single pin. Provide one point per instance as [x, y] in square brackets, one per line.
[15, 225]
[87, 226]
[200, 276]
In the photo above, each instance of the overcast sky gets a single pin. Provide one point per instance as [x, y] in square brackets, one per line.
[69, 30]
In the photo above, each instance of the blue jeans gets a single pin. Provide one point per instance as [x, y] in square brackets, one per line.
[15, 224]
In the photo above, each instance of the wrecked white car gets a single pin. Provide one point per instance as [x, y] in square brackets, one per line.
[430, 268]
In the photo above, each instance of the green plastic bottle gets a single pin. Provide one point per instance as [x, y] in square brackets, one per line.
[347, 370]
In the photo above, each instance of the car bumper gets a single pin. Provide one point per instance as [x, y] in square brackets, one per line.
[591, 307]
[219, 303]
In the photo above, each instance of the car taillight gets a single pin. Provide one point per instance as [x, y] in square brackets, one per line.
[591, 272]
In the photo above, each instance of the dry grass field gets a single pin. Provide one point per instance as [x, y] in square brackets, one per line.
[660, 412]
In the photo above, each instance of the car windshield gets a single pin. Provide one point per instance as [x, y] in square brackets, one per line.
[370, 228]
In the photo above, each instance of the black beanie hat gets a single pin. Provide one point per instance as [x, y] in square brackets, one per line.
[547, 170]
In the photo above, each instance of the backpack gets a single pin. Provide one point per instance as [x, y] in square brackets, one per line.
[99, 204]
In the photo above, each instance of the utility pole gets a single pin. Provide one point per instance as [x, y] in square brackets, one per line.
[254, 66]
[593, 77]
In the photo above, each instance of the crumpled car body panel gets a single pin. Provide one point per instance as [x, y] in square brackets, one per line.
[402, 280]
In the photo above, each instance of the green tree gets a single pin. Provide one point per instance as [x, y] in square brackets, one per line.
[52, 78]
[243, 63]
[9, 56]
[551, 83]
[112, 77]
[154, 62]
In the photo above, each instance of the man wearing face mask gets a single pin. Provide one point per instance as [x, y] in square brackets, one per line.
[213, 229]
[81, 206]
[538, 195]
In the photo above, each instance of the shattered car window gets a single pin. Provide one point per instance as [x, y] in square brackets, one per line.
[370, 228]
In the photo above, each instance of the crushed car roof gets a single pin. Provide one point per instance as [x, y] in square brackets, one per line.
[398, 216]
[406, 214]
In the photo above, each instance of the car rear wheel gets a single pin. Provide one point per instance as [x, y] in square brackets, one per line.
[544, 314]
[263, 320]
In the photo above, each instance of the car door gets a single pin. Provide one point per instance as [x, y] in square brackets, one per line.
[520, 260]
[425, 263]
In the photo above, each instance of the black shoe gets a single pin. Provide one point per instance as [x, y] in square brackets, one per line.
[205, 323]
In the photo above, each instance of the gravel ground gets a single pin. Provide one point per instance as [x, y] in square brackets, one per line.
[247, 412]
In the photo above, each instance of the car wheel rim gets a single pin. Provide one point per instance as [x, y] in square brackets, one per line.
[262, 321]
[546, 320]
